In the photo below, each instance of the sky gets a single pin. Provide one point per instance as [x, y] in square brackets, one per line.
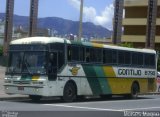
[99, 12]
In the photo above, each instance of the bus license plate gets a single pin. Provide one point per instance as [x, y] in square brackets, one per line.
[21, 88]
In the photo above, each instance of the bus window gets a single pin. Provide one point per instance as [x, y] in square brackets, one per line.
[110, 56]
[59, 48]
[114, 57]
[98, 55]
[149, 60]
[127, 58]
[124, 58]
[121, 57]
[81, 53]
[60, 59]
[137, 59]
[87, 55]
[74, 53]
[69, 53]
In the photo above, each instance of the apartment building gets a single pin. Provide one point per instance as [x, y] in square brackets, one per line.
[135, 23]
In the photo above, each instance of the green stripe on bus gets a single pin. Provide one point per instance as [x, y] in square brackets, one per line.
[102, 80]
[92, 80]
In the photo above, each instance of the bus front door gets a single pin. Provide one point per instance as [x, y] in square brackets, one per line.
[53, 66]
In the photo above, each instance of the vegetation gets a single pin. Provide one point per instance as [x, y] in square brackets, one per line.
[130, 45]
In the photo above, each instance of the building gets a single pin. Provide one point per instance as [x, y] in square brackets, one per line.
[15, 32]
[135, 23]
[2, 23]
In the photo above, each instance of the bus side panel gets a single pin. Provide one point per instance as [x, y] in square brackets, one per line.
[79, 77]
[97, 79]
[75, 73]
[121, 85]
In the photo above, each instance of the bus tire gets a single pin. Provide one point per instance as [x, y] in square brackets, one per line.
[69, 93]
[134, 91]
[35, 98]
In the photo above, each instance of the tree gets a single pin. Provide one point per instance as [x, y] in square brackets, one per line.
[129, 45]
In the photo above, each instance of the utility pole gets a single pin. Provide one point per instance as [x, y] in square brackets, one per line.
[80, 20]
[151, 24]
[8, 25]
[117, 21]
[33, 18]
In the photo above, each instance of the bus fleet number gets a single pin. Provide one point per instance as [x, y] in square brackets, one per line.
[150, 73]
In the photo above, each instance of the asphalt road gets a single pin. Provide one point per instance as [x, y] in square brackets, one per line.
[145, 106]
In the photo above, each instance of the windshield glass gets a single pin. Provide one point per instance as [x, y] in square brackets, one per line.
[27, 62]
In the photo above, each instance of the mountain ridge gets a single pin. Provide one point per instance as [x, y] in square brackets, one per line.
[63, 26]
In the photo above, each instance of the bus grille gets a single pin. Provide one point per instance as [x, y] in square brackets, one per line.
[21, 82]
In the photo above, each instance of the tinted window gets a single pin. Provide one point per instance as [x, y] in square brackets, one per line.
[93, 55]
[110, 56]
[124, 58]
[137, 59]
[75, 53]
[149, 60]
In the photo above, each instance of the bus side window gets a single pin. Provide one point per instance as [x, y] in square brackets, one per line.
[149, 60]
[74, 53]
[69, 53]
[87, 56]
[81, 54]
[60, 59]
[137, 59]
[110, 56]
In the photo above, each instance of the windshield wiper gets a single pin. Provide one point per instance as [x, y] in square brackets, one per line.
[26, 64]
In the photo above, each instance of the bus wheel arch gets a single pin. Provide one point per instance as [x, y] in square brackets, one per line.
[70, 91]
[135, 89]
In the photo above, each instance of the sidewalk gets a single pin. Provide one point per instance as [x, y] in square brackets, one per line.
[4, 96]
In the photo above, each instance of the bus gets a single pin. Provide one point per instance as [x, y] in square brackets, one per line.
[51, 66]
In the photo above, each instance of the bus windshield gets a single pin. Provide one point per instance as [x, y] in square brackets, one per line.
[27, 62]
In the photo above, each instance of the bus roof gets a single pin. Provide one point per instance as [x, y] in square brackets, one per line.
[46, 40]
[38, 40]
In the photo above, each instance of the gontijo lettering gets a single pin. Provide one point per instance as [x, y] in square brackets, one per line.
[129, 72]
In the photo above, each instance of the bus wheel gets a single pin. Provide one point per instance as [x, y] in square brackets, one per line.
[134, 91]
[35, 98]
[69, 93]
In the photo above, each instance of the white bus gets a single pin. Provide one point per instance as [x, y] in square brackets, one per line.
[51, 66]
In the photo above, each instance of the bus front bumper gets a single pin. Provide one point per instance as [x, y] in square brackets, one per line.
[26, 90]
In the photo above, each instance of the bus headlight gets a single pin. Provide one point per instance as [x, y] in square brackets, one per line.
[6, 88]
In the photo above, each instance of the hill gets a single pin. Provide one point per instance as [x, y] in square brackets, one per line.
[63, 26]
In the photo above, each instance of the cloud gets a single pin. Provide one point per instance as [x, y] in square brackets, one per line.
[90, 14]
